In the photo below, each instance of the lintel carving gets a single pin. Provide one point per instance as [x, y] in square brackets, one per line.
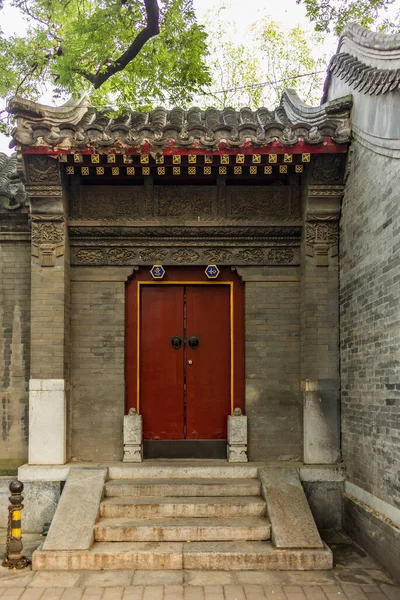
[172, 255]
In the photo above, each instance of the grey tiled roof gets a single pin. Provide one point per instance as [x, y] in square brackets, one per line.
[78, 126]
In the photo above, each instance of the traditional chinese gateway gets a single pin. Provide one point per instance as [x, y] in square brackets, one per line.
[171, 290]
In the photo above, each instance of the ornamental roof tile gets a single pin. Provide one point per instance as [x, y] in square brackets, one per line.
[367, 61]
[12, 191]
[79, 126]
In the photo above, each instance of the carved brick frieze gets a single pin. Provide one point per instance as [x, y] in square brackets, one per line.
[261, 203]
[167, 205]
[251, 255]
[44, 190]
[47, 238]
[120, 256]
[214, 255]
[107, 203]
[231, 232]
[184, 255]
[177, 201]
[281, 255]
[153, 254]
[326, 190]
[90, 256]
[328, 168]
[42, 169]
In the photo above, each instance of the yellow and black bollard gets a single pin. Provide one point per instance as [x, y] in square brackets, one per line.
[13, 558]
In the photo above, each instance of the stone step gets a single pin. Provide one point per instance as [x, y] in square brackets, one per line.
[229, 556]
[152, 508]
[182, 470]
[197, 556]
[199, 487]
[182, 530]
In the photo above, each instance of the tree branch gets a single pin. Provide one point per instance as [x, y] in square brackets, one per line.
[152, 29]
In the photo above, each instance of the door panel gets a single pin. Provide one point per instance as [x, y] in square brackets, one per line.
[208, 377]
[161, 366]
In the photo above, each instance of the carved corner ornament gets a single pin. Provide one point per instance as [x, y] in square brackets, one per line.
[48, 238]
[322, 238]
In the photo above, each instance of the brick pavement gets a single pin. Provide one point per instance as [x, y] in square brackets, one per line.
[193, 585]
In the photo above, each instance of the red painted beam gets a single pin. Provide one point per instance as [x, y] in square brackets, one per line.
[325, 147]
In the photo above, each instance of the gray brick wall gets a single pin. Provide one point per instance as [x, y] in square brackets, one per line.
[319, 319]
[49, 327]
[370, 325]
[14, 351]
[97, 369]
[273, 401]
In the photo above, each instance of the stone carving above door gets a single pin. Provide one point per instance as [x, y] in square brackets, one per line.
[106, 203]
[215, 255]
[281, 255]
[191, 201]
[166, 205]
[153, 254]
[251, 255]
[260, 202]
[90, 256]
[184, 256]
[120, 256]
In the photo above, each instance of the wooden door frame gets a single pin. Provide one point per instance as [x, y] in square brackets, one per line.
[183, 276]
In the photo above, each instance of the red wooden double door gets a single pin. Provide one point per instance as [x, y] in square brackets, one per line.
[184, 353]
[185, 361]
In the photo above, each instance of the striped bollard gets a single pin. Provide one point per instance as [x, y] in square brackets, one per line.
[13, 558]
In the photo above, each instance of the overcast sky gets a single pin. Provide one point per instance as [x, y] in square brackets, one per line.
[286, 12]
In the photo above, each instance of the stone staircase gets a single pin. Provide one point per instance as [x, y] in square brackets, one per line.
[197, 518]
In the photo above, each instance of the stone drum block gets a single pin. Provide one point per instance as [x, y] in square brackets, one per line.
[237, 437]
[133, 435]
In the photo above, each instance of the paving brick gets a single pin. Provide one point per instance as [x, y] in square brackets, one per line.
[31, 594]
[213, 592]
[72, 594]
[313, 592]
[391, 591]
[234, 592]
[173, 592]
[153, 592]
[353, 591]
[274, 592]
[133, 592]
[193, 593]
[254, 592]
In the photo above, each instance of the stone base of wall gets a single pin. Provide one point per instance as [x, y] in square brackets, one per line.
[326, 502]
[324, 488]
[374, 534]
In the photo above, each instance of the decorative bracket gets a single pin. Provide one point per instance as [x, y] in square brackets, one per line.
[322, 222]
[48, 238]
